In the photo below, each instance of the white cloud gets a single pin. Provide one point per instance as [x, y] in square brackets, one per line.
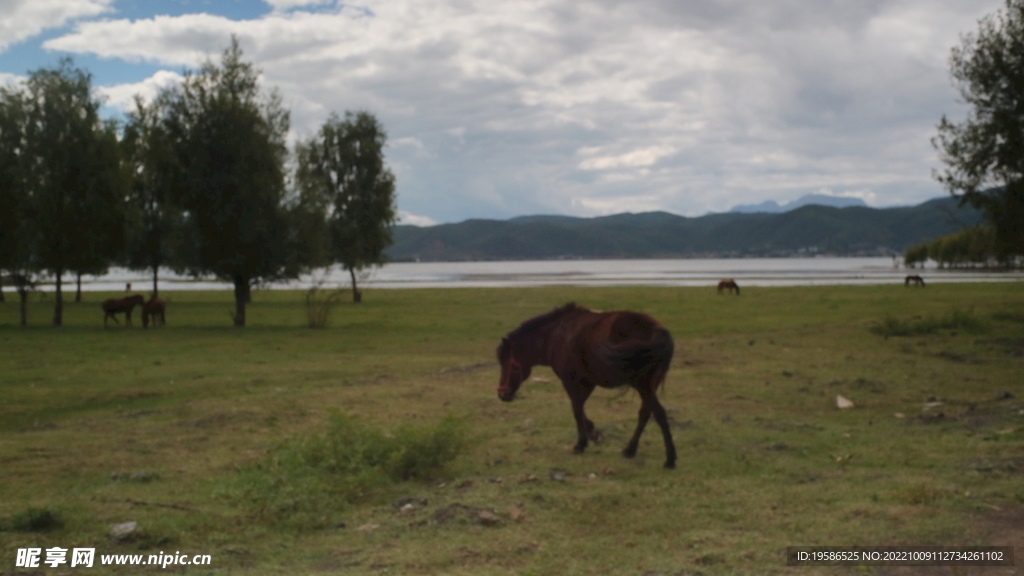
[634, 159]
[619, 204]
[582, 106]
[122, 96]
[22, 19]
[407, 218]
[7, 79]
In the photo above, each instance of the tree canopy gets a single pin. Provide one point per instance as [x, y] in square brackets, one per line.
[344, 166]
[196, 180]
[228, 143]
[154, 220]
[71, 178]
[984, 154]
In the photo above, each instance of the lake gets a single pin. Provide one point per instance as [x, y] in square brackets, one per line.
[676, 272]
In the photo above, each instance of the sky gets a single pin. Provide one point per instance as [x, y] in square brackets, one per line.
[574, 107]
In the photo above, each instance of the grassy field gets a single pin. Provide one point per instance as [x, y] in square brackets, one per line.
[158, 426]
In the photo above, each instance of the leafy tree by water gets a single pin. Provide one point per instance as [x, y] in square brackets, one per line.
[344, 166]
[973, 246]
[154, 220]
[16, 251]
[100, 221]
[984, 154]
[228, 141]
[72, 177]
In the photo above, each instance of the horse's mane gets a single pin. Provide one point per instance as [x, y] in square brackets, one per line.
[534, 323]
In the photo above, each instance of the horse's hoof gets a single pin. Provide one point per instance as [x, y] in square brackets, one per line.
[578, 449]
[671, 465]
[629, 453]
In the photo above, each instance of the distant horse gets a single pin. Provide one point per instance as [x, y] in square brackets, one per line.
[915, 280]
[126, 305]
[588, 349]
[728, 285]
[153, 311]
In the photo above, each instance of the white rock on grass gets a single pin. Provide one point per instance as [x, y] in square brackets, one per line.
[123, 530]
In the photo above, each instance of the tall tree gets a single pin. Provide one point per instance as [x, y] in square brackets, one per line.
[228, 141]
[344, 163]
[73, 174]
[153, 217]
[99, 219]
[984, 154]
[17, 251]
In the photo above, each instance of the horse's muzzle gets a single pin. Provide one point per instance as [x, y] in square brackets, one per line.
[506, 395]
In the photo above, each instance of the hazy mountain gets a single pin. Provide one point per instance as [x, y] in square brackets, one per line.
[773, 207]
[808, 230]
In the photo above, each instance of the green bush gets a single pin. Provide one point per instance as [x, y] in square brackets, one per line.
[892, 327]
[36, 520]
[304, 481]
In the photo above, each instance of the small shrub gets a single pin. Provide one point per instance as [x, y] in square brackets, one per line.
[892, 327]
[319, 303]
[303, 481]
[36, 520]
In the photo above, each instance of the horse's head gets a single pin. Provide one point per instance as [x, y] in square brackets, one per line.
[513, 371]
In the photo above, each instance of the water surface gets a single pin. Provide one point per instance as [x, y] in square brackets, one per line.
[676, 272]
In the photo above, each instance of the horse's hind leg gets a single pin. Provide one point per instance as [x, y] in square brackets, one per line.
[662, 419]
[650, 405]
[645, 414]
[584, 427]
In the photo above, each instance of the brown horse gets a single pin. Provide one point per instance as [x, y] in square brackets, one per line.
[153, 311]
[915, 280]
[126, 305]
[728, 285]
[588, 349]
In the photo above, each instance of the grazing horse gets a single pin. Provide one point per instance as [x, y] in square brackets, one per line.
[153, 310]
[728, 285]
[913, 279]
[586, 349]
[126, 305]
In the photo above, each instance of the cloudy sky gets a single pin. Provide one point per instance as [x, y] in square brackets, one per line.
[578, 107]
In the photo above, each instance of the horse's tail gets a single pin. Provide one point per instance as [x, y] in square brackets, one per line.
[634, 362]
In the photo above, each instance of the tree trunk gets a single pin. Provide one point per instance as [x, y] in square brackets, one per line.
[58, 305]
[357, 296]
[155, 293]
[23, 296]
[2, 287]
[78, 288]
[241, 297]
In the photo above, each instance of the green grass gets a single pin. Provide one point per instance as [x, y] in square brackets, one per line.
[193, 429]
[307, 482]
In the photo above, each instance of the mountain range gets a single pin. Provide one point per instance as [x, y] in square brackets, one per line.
[773, 207]
[809, 230]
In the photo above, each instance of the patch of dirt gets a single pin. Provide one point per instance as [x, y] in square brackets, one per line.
[469, 368]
